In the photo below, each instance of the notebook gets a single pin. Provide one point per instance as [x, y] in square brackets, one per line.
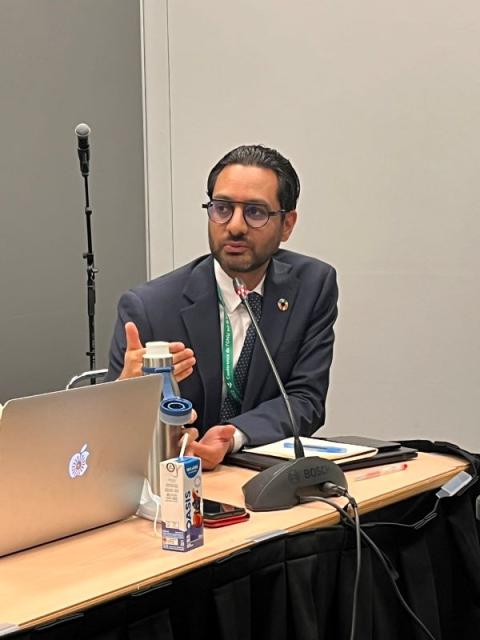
[328, 449]
[388, 452]
[73, 460]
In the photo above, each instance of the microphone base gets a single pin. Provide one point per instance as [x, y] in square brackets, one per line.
[281, 486]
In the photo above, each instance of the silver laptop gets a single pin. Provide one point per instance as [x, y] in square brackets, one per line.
[73, 460]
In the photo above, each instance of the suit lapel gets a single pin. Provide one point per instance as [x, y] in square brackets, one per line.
[279, 283]
[201, 319]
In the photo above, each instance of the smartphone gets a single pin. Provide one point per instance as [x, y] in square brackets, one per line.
[220, 514]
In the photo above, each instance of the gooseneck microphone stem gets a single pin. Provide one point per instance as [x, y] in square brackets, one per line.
[283, 485]
[242, 292]
[83, 131]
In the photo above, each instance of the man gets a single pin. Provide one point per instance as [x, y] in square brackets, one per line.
[253, 194]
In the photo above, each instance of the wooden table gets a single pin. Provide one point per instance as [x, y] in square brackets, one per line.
[57, 579]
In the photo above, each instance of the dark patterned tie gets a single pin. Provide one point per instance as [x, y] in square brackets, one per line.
[230, 406]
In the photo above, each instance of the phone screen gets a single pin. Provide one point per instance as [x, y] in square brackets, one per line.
[214, 510]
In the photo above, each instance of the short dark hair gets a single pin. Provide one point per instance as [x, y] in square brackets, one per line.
[257, 155]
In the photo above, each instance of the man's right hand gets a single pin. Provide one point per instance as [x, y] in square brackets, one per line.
[183, 357]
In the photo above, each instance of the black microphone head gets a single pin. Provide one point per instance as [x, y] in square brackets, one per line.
[240, 288]
[82, 130]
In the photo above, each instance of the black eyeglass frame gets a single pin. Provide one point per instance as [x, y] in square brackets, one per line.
[206, 206]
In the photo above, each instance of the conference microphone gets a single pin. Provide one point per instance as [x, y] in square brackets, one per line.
[283, 485]
[82, 132]
[242, 292]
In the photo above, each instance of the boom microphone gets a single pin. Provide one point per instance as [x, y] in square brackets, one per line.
[282, 486]
[82, 132]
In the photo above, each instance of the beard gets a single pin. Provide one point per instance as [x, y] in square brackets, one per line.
[253, 258]
[233, 264]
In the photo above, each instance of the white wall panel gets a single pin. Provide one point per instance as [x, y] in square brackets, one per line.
[376, 103]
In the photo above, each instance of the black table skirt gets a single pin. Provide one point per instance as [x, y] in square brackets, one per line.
[300, 586]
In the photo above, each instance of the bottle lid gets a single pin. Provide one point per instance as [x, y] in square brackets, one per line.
[175, 410]
[157, 350]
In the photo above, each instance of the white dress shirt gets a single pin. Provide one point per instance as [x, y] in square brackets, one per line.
[240, 321]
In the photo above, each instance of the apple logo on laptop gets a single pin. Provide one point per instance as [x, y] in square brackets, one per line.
[78, 462]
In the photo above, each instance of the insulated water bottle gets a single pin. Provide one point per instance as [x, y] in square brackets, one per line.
[174, 411]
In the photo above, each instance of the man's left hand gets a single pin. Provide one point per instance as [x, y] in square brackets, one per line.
[214, 445]
[183, 360]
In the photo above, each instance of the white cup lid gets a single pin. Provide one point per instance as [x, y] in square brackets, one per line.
[157, 350]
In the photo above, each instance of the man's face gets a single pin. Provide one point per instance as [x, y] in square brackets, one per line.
[241, 249]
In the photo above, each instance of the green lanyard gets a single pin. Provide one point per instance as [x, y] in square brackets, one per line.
[227, 353]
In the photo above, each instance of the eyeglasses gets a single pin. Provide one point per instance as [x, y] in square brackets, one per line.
[255, 215]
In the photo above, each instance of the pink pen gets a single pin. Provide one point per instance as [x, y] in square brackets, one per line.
[381, 471]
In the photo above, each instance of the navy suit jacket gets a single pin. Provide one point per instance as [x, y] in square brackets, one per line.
[183, 306]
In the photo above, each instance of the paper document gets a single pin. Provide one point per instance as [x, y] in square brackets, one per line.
[338, 451]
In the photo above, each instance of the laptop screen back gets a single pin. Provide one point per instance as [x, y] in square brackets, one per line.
[73, 460]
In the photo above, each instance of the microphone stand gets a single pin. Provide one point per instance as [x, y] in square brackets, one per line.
[91, 272]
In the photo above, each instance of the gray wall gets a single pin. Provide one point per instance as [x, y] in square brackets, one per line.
[64, 62]
[376, 103]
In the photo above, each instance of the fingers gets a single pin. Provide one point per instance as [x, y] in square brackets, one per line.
[193, 419]
[214, 445]
[183, 360]
[203, 451]
[226, 432]
[133, 337]
[133, 359]
[182, 374]
[176, 347]
[211, 455]
[183, 357]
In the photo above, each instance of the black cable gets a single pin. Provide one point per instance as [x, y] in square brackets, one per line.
[381, 557]
[358, 568]
[353, 503]
[348, 520]
[416, 525]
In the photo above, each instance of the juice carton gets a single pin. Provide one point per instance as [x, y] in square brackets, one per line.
[182, 507]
